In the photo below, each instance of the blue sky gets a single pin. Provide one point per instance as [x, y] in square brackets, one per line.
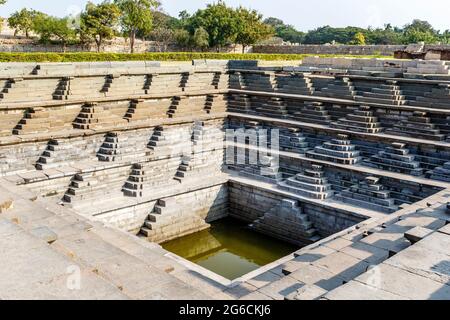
[304, 15]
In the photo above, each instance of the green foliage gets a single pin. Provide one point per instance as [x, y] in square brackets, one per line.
[415, 36]
[221, 25]
[201, 38]
[162, 35]
[22, 21]
[1, 19]
[446, 37]
[420, 31]
[183, 38]
[286, 32]
[385, 36]
[420, 26]
[162, 20]
[250, 28]
[164, 56]
[328, 34]
[52, 28]
[136, 16]
[219, 21]
[99, 22]
[359, 39]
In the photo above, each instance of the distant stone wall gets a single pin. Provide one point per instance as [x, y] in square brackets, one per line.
[8, 43]
[386, 50]
[118, 45]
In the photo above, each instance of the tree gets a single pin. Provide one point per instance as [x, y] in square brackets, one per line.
[415, 36]
[201, 39]
[163, 36]
[445, 38]
[52, 28]
[274, 22]
[328, 34]
[250, 29]
[1, 19]
[183, 38]
[420, 25]
[420, 31]
[286, 32]
[359, 39]
[136, 17]
[22, 21]
[388, 35]
[163, 20]
[219, 21]
[98, 22]
[184, 15]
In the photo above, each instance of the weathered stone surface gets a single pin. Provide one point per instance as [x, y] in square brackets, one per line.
[355, 290]
[405, 284]
[279, 289]
[45, 234]
[311, 274]
[308, 292]
[416, 234]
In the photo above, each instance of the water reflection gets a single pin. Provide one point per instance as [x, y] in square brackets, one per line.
[229, 248]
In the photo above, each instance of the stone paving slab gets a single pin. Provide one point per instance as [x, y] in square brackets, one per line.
[437, 242]
[416, 234]
[263, 279]
[314, 275]
[370, 254]
[28, 254]
[355, 290]
[391, 239]
[92, 288]
[281, 288]
[241, 290]
[256, 296]
[427, 263]
[338, 244]
[308, 292]
[445, 230]
[342, 265]
[406, 284]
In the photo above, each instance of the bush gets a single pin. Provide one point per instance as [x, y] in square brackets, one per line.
[157, 56]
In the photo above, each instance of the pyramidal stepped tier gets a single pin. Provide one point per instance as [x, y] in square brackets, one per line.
[339, 150]
[311, 183]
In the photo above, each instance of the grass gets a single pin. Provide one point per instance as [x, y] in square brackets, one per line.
[164, 56]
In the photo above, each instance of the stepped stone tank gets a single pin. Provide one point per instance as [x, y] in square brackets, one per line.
[102, 162]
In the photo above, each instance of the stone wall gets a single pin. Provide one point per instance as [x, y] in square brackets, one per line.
[182, 214]
[386, 50]
[250, 203]
[9, 43]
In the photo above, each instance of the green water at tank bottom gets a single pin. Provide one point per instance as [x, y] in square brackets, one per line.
[229, 248]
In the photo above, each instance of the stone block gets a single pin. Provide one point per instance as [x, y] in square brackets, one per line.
[355, 290]
[44, 233]
[342, 265]
[405, 284]
[445, 230]
[313, 275]
[416, 234]
[279, 289]
[307, 292]
[370, 254]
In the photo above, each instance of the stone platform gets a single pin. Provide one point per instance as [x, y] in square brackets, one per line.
[101, 162]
